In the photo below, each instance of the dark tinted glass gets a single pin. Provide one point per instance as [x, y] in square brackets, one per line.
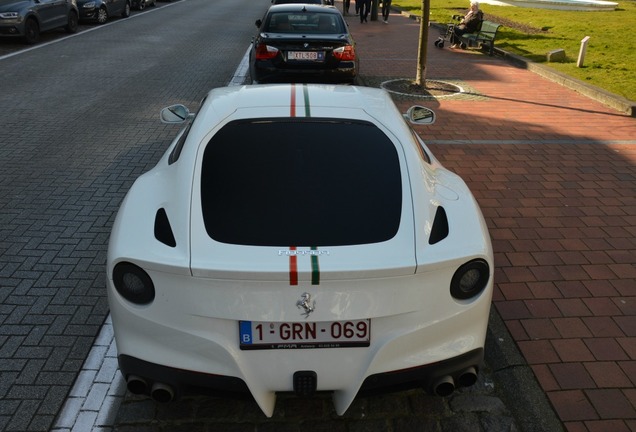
[297, 1]
[304, 22]
[301, 182]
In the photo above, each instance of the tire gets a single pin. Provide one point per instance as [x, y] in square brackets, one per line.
[31, 31]
[73, 23]
[102, 15]
[441, 44]
[463, 46]
[154, 3]
[126, 12]
[142, 5]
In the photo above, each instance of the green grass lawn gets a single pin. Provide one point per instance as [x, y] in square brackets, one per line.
[610, 61]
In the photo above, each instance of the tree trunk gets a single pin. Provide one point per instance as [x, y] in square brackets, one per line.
[420, 78]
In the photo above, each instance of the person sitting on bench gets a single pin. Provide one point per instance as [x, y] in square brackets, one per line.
[469, 24]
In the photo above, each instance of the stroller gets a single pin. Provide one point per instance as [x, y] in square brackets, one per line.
[450, 29]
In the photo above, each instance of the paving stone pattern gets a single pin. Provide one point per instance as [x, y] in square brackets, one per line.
[473, 410]
[554, 173]
[79, 124]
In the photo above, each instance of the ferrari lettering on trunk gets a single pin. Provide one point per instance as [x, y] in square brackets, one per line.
[293, 252]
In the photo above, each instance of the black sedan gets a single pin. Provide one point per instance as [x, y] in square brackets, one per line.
[303, 43]
[326, 2]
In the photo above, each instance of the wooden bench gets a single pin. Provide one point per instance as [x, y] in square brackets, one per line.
[485, 36]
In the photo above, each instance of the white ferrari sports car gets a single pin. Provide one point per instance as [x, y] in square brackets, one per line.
[299, 238]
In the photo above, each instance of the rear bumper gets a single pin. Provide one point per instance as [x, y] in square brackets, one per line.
[265, 72]
[144, 376]
[182, 381]
[184, 342]
[428, 376]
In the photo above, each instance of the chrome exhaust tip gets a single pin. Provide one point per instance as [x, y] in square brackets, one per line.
[468, 377]
[162, 393]
[136, 385]
[444, 386]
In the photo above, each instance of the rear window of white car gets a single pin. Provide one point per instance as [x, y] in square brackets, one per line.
[301, 182]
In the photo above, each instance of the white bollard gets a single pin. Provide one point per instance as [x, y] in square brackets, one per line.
[582, 51]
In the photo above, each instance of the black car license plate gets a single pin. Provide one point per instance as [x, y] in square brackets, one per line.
[306, 55]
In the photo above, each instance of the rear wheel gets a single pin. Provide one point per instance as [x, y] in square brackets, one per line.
[31, 31]
[72, 23]
[126, 12]
[142, 5]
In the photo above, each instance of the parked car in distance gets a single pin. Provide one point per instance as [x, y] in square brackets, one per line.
[28, 18]
[323, 2]
[303, 43]
[101, 10]
[299, 238]
[142, 4]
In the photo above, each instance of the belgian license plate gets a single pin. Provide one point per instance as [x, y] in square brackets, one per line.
[298, 335]
[306, 55]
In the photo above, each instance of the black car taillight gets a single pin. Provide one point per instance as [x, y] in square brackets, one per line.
[265, 52]
[346, 53]
[133, 283]
[470, 279]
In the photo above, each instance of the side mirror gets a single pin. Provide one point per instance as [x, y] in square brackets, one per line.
[175, 114]
[420, 115]
[258, 23]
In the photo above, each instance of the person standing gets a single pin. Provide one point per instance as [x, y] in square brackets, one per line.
[358, 6]
[386, 9]
[365, 8]
[345, 6]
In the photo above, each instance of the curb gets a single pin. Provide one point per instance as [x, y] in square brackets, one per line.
[614, 101]
[617, 102]
[515, 381]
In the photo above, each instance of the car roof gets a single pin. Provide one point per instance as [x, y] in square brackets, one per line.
[298, 1]
[264, 100]
[292, 7]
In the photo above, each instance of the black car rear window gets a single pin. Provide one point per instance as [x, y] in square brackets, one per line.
[304, 22]
[301, 182]
[297, 1]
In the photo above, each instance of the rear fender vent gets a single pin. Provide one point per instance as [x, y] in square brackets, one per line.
[440, 226]
[163, 230]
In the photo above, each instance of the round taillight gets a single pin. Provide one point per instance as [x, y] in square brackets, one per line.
[133, 283]
[470, 279]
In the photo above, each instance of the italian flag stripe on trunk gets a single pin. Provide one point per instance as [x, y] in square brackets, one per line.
[293, 256]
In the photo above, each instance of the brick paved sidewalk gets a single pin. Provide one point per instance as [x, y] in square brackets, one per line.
[555, 174]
